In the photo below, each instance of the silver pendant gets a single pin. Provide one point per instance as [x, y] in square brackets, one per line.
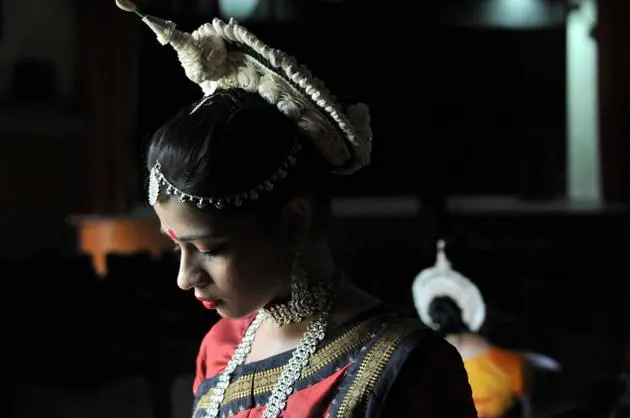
[154, 186]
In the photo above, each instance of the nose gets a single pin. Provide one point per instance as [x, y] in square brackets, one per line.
[190, 274]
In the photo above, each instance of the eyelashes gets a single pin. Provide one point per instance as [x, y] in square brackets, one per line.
[221, 249]
[215, 252]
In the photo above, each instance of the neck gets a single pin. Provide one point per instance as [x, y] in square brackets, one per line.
[468, 344]
[317, 259]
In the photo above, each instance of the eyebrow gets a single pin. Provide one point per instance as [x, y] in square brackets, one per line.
[196, 237]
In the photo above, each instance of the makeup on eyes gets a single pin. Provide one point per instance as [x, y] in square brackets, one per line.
[203, 236]
[213, 248]
[204, 243]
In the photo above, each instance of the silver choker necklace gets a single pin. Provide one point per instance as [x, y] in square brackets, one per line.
[306, 301]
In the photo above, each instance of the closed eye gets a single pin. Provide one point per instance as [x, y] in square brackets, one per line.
[210, 253]
[221, 249]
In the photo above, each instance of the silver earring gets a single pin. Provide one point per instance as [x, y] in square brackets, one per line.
[302, 303]
[306, 300]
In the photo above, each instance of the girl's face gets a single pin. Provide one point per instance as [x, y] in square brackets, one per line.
[232, 263]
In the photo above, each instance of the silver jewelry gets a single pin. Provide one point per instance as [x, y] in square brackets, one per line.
[158, 182]
[305, 301]
[291, 372]
[238, 358]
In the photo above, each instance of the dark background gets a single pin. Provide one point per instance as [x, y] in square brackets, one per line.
[463, 106]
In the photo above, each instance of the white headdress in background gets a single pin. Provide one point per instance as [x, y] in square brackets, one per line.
[442, 280]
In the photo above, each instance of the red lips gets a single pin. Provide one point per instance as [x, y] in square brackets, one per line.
[208, 303]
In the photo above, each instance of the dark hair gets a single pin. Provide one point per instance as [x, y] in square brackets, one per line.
[233, 142]
[446, 314]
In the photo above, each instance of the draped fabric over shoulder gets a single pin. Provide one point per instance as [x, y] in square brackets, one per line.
[376, 364]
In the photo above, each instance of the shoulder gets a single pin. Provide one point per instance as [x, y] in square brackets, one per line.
[406, 346]
[424, 377]
[434, 355]
[469, 345]
[416, 346]
[395, 331]
[432, 381]
[406, 365]
[407, 337]
[507, 360]
[510, 356]
[394, 335]
[514, 364]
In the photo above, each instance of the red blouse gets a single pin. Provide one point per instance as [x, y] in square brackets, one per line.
[379, 363]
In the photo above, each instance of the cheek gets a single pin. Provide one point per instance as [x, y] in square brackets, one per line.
[257, 265]
[233, 274]
[220, 270]
[268, 256]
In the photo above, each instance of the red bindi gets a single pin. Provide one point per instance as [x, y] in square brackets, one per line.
[171, 234]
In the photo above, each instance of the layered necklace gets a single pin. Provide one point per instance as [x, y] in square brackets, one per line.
[317, 299]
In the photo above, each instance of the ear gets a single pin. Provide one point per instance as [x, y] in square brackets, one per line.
[297, 221]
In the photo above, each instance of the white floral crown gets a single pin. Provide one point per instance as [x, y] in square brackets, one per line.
[226, 55]
[442, 280]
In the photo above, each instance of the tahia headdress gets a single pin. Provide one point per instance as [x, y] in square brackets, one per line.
[442, 280]
[221, 55]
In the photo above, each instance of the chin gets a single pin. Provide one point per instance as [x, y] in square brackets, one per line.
[228, 313]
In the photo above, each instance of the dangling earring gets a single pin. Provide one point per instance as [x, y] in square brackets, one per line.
[302, 299]
[301, 305]
[306, 300]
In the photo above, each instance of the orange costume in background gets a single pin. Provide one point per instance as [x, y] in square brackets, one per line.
[496, 378]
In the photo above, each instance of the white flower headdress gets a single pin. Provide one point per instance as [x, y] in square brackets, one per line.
[442, 280]
[221, 55]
